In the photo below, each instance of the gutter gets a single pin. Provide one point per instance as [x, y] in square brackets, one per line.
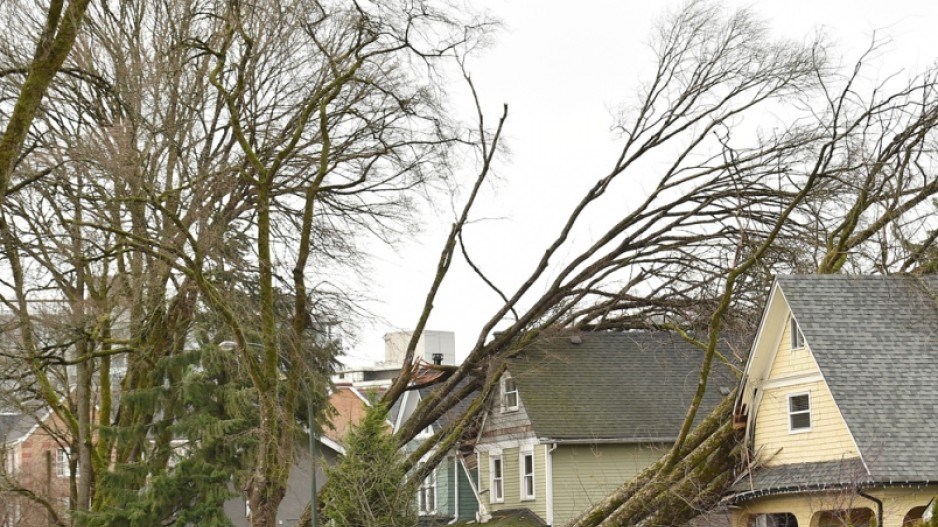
[879, 505]
[613, 440]
[742, 496]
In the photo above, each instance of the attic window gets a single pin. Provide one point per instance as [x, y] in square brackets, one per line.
[799, 413]
[509, 394]
[797, 337]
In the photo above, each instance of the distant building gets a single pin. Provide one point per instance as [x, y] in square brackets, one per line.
[36, 461]
[434, 347]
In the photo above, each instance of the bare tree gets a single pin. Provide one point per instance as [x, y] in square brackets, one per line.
[727, 209]
[52, 46]
[226, 161]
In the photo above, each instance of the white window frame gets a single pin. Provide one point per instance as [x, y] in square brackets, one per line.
[810, 426]
[62, 458]
[427, 487]
[523, 491]
[506, 407]
[797, 336]
[496, 485]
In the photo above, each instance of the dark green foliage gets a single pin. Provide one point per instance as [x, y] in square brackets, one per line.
[196, 451]
[366, 488]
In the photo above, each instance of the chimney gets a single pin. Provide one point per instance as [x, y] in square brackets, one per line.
[438, 358]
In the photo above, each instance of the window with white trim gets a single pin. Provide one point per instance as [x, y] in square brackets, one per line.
[527, 475]
[509, 394]
[426, 494]
[797, 337]
[498, 479]
[799, 412]
[61, 463]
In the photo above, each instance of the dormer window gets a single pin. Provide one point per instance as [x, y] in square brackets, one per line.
[799, 413]
[797, 337]
[509, 394]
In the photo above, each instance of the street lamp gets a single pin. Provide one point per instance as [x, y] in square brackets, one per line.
[313, 454]
[230, 345]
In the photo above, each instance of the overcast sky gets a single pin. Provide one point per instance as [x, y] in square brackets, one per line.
[563, 68]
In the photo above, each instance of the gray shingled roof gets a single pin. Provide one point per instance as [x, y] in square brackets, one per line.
[454, 413]
[14, 426]
[876, 341]
[799, 477]
[631, 387]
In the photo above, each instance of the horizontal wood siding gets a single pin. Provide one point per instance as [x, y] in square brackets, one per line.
[585, 474]
[511, 471]
[789, 362]
[502, 424]
[828, 440]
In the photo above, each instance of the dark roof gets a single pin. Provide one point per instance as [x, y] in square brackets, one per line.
[457, 410]
[515, 518]
[798, 477]
[875, 339]
[14, 426]
[630, 387]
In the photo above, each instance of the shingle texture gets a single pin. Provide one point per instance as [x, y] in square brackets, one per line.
[633, 386]
[799, 477]
[875, 339]
[454, 413]
[14, 426]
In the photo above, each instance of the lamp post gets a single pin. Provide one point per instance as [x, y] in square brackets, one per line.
[313, 454]
[230, 345]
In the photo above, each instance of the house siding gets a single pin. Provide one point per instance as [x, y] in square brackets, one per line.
[468, 506]
[445, 484]
[512, 481]
[789, 362]
[584, 474]
[829, 438]
[897, 503]
[445, 499]
[501, 425]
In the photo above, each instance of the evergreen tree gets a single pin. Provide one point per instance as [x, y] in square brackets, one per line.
[197, 453]
[366, 487]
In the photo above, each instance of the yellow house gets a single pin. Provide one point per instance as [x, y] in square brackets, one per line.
[839, 404]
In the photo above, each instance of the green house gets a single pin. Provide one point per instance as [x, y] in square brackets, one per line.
[449, 494]
[575, 416]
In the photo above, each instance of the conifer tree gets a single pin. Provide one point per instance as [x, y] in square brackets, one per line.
[365, 487]
[207, 413]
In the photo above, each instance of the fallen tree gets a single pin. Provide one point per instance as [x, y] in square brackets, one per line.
[843, 187]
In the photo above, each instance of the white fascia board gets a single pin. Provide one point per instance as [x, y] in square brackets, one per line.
[331, 444]
[760, 331]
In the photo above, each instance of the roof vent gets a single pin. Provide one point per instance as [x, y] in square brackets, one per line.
[724, 390]
[576, 339]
